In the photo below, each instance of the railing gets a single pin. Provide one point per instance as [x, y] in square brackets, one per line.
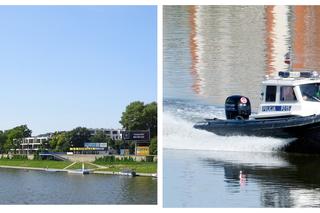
[54, 154]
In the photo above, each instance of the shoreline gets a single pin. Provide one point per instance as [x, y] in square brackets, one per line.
[67, 170]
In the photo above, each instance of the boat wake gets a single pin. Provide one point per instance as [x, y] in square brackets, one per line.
[178, 133]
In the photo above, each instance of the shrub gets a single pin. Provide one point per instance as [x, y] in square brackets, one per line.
[19, 157]
[106, 159]
[149, 158]
[153, 146]
[112, 159]
[36, 156]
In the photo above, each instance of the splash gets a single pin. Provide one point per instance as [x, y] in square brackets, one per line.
[178, 133]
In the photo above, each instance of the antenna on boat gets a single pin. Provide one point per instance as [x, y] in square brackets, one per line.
[288, 57]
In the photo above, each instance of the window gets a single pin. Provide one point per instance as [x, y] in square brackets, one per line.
[310, 92]
[271, 93]
[287, 94]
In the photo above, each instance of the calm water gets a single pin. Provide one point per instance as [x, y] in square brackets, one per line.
[35, 187]
[211, 179]
[211, 52]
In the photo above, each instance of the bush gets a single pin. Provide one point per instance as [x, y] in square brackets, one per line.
[112, 159]
[37, 157]
[126, 159]
[149, 158]
[107, 159]
[19, 157]
[153, 146]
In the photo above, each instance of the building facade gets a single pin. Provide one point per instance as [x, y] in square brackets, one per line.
[31, 145]
[115, 134]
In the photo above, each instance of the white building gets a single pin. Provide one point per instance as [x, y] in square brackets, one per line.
[30, 145]
[115, 134]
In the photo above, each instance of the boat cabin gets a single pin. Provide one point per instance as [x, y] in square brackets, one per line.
[290, 94]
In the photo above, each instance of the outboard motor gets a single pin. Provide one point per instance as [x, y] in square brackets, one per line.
[237, 107]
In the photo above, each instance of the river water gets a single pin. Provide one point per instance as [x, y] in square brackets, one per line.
[211, 52]
[40, 187]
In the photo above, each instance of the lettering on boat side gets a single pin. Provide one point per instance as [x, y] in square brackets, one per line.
[275, 108]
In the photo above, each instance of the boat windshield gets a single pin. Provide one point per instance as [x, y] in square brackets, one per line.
[310, 92]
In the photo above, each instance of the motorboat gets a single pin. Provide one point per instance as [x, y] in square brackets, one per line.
[127, 172]
[289, 108]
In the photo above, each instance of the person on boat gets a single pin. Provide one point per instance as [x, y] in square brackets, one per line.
[287, 94]
[318, 91]
[311, 92]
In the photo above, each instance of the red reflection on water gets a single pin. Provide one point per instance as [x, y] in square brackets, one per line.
[297, 27]
[298, 36]
[306, 41]
[269, 39]
[196, 86]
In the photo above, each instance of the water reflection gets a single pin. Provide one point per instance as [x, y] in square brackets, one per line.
[278, 39]
[211, 52]
[215, 51]
[61, 188]
[306, 43]
[176, 52]
[290, 181]
[220, 45]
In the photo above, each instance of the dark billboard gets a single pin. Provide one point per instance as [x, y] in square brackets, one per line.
[138, 135]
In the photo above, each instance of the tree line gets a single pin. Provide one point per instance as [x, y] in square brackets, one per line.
[137, 116]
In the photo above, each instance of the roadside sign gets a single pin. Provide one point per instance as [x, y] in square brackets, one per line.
[139, 135]
[142, 150]
[96, 145]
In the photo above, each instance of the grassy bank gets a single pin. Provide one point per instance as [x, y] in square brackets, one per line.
[35, 163]
[140, 167]
[79, 166]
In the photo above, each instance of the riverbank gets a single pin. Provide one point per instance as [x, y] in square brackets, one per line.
[141, 168]
[27, 186]
[35, 163]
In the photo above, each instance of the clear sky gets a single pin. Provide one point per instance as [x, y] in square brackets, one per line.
[67, 66]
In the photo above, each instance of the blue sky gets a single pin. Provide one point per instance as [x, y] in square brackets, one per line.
[67, 66]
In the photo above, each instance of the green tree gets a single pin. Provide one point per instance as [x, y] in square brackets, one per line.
[132, 118]
[153, 146]
[120, 144]
[150, 118]
[111, 143]
[138, 116]
[99, 137]
[117, 145]
[14, 137]
[79, 136]
[60, 141]
[3, 139]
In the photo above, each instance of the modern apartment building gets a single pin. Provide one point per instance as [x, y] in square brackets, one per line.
[115, 134]
[31, 145]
